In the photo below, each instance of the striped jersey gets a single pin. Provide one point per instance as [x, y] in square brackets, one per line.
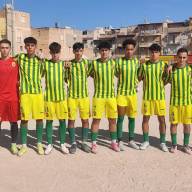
[54, 80]
[181, 89]
[30, 71]
[103, 74]
[77, 75]
[153, 80]
[126, 72]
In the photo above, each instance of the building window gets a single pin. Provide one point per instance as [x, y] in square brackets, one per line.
[22, 19]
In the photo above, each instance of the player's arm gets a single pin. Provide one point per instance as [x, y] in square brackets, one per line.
[166, 75]
[140, 72]
[170, 66]
[137, 71]
[66, 75]
[42, 68]
[117, 68]
[90, 71]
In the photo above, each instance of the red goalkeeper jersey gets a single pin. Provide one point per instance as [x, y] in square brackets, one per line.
[9, 80]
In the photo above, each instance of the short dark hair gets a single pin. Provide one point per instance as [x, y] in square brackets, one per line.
[129, 42]
[182, 50]
[155, 47]
[104, 44]
[30, 40]
[77, 46]
[6, 41]
[55, 47]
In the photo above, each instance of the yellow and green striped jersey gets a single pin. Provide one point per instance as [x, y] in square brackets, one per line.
[54, 80]
[153, 80]
[103, 74]
[30, 71]
[181, 90]
[126, 72]
[77, 75]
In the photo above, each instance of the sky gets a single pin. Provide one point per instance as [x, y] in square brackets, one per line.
[89, 14]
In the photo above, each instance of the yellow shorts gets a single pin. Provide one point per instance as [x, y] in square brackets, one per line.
[56, 110]
[107, 106]
[31, 106]
[154, 107]
[130, 102]
[180, 114]
[82, 104]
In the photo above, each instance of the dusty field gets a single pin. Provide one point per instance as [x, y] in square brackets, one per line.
[131, 170]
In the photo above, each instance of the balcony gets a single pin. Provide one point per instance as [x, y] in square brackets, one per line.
[144, 45]
[177, 29]
[150, 33]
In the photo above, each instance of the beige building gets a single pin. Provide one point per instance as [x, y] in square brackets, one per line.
[2, 25]
[65, 36]
[16, 27]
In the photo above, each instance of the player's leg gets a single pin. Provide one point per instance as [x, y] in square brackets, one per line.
[98, 108]
[111, 113]
[49, 135]
[85, 132]
[162, 130]
[38, 114]
[132, 113]
[39, 132]
[187, 130]
[113, 134]
[14, 134]
[94, 134]
[121, 109]
[174, 119]
[25, 109]
[72, 110]
[49, 109]
[145, 128]
[23, 132]
[84, 110]
[173, 129]
[62, 135]
[71, 130]
[121, 113]
[186, 119]
[62, 114]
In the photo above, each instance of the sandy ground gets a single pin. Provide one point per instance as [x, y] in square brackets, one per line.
[131, 170]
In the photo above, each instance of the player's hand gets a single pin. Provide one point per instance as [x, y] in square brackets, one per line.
[67, 64]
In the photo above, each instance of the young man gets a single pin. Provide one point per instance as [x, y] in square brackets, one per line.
[55, 101]
[78, 98]
[181, 99]
[31, 97]
[126, 72]
[9, 96]
[152, 73]
[102, 70]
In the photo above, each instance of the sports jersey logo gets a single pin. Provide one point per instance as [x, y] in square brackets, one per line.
[13, 64]
[145, 108]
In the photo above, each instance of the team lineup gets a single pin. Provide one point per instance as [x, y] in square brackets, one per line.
[22, 97]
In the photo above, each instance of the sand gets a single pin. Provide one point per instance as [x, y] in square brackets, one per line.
[108, 171]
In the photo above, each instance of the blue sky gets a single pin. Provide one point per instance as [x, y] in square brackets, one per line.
[88, 14]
